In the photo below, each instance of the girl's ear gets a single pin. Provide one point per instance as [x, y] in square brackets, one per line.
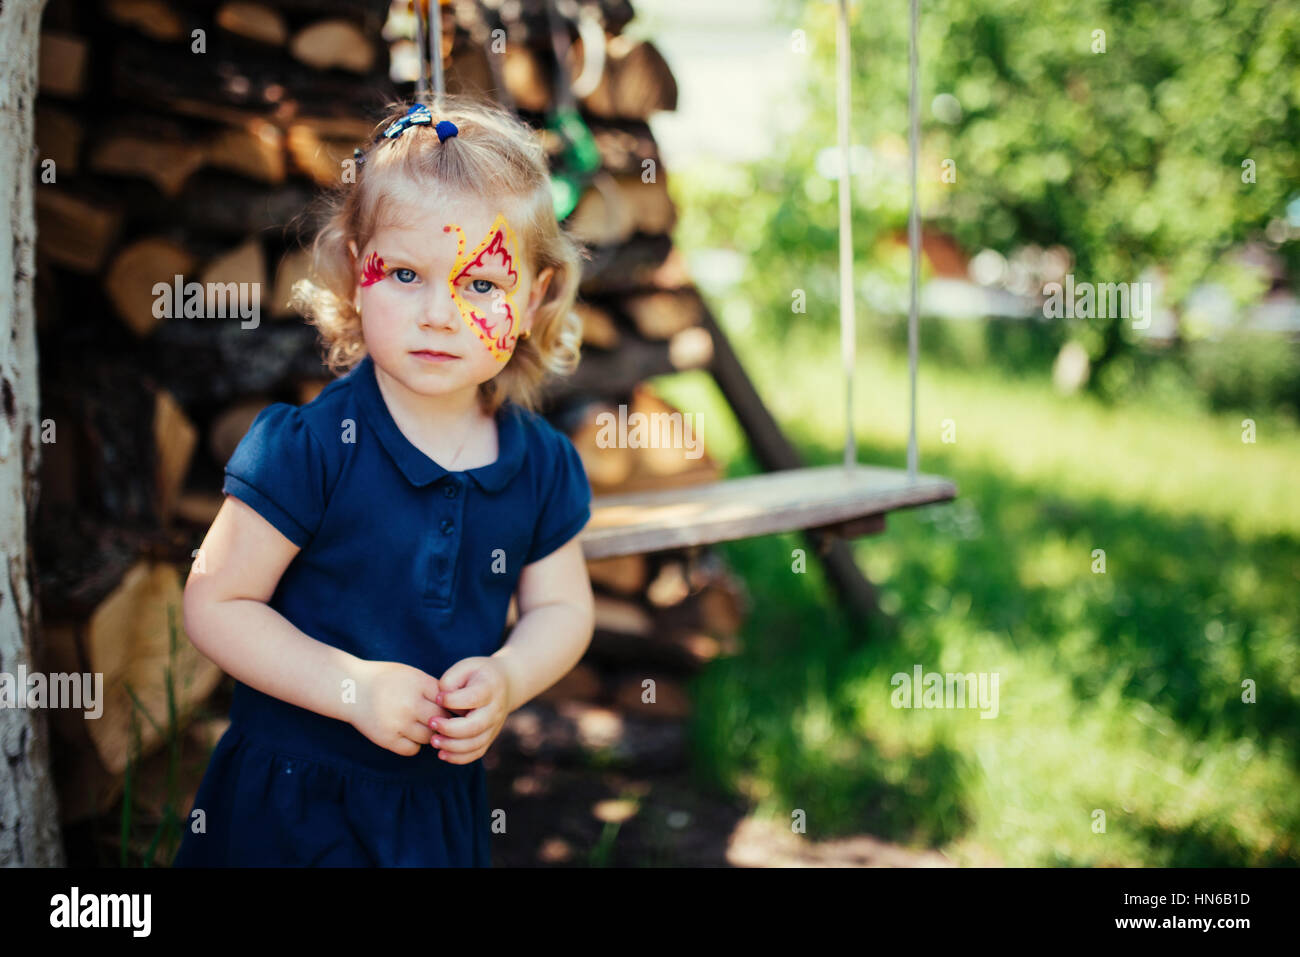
[540, 285]
[356, 290]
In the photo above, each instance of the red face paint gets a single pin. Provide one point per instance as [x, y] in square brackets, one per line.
[374, 270]
[494, 324]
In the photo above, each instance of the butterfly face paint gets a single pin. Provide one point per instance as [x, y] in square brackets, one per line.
[492, 320]
[374, 270]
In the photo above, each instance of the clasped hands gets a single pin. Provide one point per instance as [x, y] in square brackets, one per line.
[402, 709]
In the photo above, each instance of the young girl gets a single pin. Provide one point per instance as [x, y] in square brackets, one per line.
[357, 578]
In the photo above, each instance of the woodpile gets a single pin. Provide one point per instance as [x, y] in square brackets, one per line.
[183, 139]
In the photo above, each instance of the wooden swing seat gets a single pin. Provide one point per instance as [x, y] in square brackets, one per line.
[832, 498]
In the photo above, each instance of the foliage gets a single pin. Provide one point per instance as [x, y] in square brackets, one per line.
[1130, 158]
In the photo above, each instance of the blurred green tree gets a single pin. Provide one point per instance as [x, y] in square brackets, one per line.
[1135, 133]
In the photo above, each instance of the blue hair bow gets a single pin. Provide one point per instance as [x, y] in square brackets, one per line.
[419, 115]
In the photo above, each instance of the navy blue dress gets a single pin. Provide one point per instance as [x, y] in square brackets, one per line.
[401, 560]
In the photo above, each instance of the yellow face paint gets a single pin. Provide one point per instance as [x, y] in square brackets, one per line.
[494, 324]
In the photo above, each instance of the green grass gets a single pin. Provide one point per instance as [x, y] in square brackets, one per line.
[1120, 692]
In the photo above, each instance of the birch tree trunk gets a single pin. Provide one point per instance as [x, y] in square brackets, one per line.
[29, 819]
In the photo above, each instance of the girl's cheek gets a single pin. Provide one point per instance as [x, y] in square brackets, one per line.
[384, 296]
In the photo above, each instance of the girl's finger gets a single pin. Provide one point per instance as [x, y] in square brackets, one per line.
[473, 723]
[460, 745]
[452, 758]
[426, 715]
[467, 698]
[418, 732]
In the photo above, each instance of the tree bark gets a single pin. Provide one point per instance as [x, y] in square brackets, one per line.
[29, 819]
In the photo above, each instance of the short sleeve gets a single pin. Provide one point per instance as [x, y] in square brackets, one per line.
[278, 469]
[567, 506]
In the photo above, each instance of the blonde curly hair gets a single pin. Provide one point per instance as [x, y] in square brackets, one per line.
[494, 155]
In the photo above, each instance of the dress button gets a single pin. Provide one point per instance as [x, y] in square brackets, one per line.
[447, 526]
[449, 491]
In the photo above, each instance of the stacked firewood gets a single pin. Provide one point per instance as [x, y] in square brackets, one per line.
[179, 141]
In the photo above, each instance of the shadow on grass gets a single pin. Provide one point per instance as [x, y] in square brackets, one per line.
[1185, 611]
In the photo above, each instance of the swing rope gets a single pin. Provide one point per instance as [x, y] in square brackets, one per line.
[432, 54]
[913, 239]
[847, 320]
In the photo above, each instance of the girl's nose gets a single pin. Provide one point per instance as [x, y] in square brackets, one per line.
[440, 310]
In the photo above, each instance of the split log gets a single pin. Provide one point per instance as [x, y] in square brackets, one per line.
[670, 585]
[626, 146]
[255, 151]
[174, 440]
[598, 327]
[154, 18]
[722, 609]
[167, 164]
[332, 44]
[64, 59]
[245, 264]
[667, 450]
[636, 83]
[75, 232]
[622, 617]
[136, 638]
[58, 137]
[626, 574]
[660, 315]
[294, 265]
[321, 159]
[651, 207]
[602, 217]
[691, 349]
[253, 21]
[352, 128]
[133, 274]
[528, 78]
[607, 466]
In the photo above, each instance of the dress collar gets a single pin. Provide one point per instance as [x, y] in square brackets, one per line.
[418, 468]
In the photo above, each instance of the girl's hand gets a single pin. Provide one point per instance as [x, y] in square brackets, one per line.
[395, 705]
[481, 686]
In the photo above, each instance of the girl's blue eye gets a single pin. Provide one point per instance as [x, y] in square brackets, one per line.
[487, 282]
[410, 274]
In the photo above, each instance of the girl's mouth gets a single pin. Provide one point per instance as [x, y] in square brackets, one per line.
[431, 356]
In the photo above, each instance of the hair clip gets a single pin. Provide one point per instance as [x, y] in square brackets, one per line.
[418, 115]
